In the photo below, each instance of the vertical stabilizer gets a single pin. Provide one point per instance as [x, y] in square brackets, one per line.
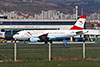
[79, 25]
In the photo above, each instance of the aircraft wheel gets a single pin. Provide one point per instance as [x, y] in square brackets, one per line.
[46, 42]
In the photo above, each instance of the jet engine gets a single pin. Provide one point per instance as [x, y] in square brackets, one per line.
[34, 39]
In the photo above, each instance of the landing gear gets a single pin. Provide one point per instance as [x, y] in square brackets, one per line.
[51, 41]
[46, 42]
[45, 39]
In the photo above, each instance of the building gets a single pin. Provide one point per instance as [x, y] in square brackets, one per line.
[10, 27]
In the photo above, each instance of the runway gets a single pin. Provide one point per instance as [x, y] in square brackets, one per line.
[53, 42]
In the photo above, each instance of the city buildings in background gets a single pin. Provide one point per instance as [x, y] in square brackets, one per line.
[50, 14]
[93, 20]
[47, 15]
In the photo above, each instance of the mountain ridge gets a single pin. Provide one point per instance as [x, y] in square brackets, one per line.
[88, 5]
[65, 6]
[35, 6]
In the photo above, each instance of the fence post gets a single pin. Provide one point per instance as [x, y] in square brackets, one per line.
[84, 48]
[15, 51]
[49, 51]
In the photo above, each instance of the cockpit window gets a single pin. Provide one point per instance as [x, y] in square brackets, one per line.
[17, 33]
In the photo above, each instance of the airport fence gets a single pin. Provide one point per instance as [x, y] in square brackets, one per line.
[39, 52]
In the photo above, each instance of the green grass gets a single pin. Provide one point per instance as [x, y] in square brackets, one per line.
[37, 57]
[41, 54]
[53, 64]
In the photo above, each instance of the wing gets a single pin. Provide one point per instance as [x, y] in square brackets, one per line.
[44, 37]
[81, 32]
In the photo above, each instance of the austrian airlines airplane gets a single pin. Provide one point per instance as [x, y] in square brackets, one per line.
[46, 35]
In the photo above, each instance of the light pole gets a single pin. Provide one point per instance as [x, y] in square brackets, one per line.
[76, 11]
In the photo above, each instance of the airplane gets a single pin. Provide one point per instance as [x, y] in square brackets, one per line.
[50, 35]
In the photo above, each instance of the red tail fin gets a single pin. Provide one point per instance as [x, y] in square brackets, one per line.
[79, 25]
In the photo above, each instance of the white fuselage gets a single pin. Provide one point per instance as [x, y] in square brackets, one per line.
[26, 34]
[75, 30]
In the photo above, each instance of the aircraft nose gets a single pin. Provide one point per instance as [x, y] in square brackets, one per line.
[14, 36]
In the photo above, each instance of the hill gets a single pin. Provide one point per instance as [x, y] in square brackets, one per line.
[65, 6]
[88, 5]
[34, 6]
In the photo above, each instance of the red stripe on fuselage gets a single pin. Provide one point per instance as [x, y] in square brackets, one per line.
[29, 33]
[76, 28]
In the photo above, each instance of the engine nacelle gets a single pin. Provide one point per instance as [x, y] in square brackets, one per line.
[52, 38]
[34, 39]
